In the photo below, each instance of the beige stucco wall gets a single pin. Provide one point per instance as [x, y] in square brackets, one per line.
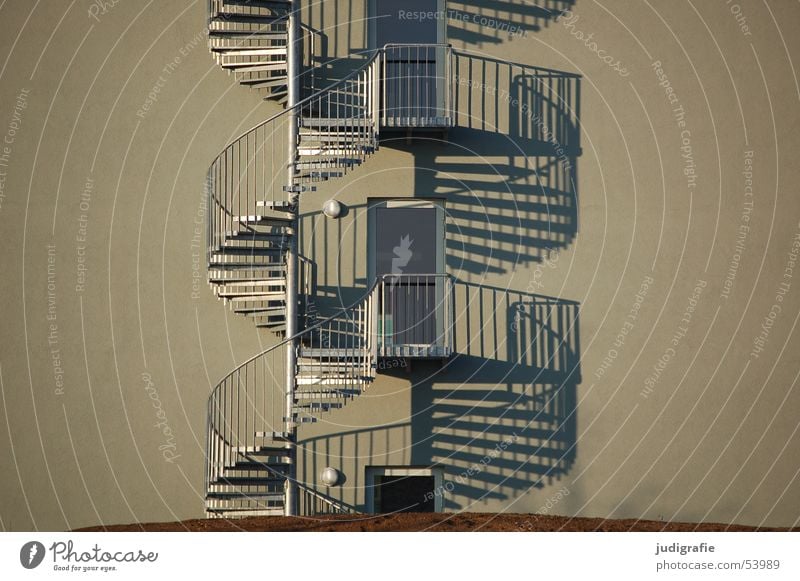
[712, 440]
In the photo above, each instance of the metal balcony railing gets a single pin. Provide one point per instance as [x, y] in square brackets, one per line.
[412, 316]
[417, 89]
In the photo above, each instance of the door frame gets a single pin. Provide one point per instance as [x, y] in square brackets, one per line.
[372, 29]
[372, 236]
[438, 480]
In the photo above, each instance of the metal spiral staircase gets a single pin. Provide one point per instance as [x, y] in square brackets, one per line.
[253, 189]
[252, 414]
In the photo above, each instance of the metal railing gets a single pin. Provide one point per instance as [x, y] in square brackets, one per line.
[246, 406]
[417, 88]
[522, 101]
[412, 316]
[314, 503]
[254, 168]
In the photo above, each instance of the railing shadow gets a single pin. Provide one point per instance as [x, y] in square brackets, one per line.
[499, 417]
[501, 414]
[481, 22]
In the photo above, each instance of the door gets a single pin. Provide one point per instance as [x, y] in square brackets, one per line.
[404, 489]
[407, 256]
[413, 34]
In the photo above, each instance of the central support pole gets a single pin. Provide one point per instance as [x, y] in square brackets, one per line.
[293, 57]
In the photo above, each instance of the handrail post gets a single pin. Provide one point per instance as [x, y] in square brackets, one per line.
[294, 49]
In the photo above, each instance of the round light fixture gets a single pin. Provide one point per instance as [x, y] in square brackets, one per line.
[330, 476]
[332, 209]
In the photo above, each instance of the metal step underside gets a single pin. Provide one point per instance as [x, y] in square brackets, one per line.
[276, 205]
[269, 282]
[277, 436]
[234, 513]
[316, 406]
[235, 495]
[301, 380]
[327, 394]
[250, 51]
[276, 450]
[256, 68]
[259, 311]
[247, 481]
[244, 251]
[263, 220]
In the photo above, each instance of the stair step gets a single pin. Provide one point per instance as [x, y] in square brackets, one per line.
[256, 67]
[256, 282]
[335, 122]
[316, 406]
[267, 65]
[325, 151]
[247, 481]
[331, 352]
[248, 251]
[225, 16]
[217, 31]
[244, 466]
[239, 296]
[318, 175]
[273, 496]
[261, 236]
[327, 393]
[263, 82]
[257, 311]
[232, 514]
[277, 436]
[331, 380]
[262, 220]
[277, 205]
[280, 4]
[301, 419]
[249, 51]
[262, 450]
[234, 277]
[341, 162]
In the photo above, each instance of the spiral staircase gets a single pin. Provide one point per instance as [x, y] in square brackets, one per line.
[253, 190]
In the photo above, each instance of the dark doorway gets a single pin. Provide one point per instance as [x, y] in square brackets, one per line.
[404, 494]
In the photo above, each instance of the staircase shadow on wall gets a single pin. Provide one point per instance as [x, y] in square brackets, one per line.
[500, 415]
[478, 22]
[507, 170]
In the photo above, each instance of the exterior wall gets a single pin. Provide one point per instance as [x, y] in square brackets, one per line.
[140, 348]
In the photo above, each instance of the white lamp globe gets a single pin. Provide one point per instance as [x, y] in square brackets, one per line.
[330, 476]
[332, 209]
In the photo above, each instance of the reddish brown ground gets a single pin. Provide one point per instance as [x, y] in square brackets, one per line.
[425, 522]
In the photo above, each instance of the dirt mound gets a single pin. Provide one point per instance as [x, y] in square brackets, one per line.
[403, 522]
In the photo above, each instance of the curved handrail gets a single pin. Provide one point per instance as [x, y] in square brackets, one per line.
[307, 99]
[370, 60]
[299, 334]
[239, 413]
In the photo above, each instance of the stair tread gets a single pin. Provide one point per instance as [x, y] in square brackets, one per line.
[262, 219]
[276, 450]
[234, 495]
[249, 51]
[247, 481]
[233, 17]
[339, 393]
[244, 251]
[276, 310]
[277, 436]
[343, 352]
[254, 282]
